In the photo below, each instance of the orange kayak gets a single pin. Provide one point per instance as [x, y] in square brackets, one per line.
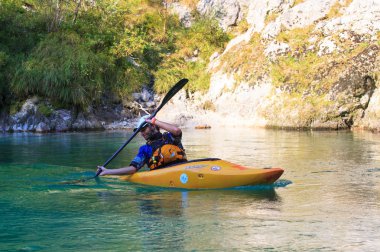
[205, 174]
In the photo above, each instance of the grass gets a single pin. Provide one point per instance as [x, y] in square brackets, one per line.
[194, 47]
[296, 71]
[297, 2]
[335, 10]
[192, 4]
[15, 107]
[297, 38]
[247, 61]
[303, 69]
[45, 110]
[270, 17]
[208, 105]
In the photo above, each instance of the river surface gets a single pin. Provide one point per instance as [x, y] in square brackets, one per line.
[328, 198]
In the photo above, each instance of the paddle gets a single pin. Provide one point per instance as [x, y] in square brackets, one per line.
[178, 86]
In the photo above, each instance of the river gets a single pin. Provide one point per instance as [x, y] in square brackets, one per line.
[328, 198]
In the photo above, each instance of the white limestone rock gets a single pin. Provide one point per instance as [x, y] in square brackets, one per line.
[259, 9]
[275, 48]
[227, 12]
[183, 12]
[327, 46]
[300, 16]
[361, 17]
[219, 83]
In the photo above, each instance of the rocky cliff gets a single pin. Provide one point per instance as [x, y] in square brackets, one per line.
[310, 64]
[298, 64]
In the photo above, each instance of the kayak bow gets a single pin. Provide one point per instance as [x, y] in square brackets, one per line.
[205, 174]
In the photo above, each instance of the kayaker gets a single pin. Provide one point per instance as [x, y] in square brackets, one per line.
[160, 149]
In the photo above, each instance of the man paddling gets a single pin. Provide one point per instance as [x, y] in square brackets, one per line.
[160, 149]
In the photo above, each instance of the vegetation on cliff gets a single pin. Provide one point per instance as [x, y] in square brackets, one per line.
[74, 52]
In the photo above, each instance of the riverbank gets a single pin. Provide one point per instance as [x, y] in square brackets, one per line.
[39, 115]
[230, 110]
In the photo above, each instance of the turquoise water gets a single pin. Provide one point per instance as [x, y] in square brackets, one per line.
[328, 199]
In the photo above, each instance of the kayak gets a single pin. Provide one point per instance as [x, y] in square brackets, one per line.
[205, 174]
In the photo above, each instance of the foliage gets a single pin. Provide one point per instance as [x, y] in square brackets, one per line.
[72, 52]
[208, 105]
[297, 2]
[303, 70]
[14, 107]
[335, 10]
[246, 70]
[297, 39]
[297, 72]
[193, 48]
[271, 17]
[3, 76]
[20, 31]
[45, 109]
[63, 69]
[192, 4]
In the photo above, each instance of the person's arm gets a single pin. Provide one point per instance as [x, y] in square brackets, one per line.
[166, 126]
[120, 171]
[134, 166]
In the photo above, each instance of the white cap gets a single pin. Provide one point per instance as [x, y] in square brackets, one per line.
[141, 122]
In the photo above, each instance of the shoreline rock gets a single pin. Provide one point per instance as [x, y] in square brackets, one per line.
[38, 116]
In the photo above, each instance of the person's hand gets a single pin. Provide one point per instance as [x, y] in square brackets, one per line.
[101, 170]
[151, 121]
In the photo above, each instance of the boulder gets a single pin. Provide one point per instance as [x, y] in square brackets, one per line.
[42, 127]
[61, 120]
[227, 12]
[361, 17]
[183, 12]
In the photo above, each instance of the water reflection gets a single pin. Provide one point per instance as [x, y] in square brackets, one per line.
[175, 203]
[177, 218]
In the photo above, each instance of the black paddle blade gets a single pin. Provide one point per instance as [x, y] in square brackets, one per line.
[178, 86]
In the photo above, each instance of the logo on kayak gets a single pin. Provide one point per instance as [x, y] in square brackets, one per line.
[194, 167]
[184, 178]
[215, 168]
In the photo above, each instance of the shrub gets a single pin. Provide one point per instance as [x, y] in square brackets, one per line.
[63, 69]
[190, 56]
[44, 109]
[208, 105]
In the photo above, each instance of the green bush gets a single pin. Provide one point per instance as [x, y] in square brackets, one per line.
[63, 69]
[189, 58]
[74, 54]
[20, 31]
[208, 105]
[45, 109]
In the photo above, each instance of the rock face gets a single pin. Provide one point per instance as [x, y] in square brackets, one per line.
[227, 12]
[311, 64]
[38, 116]
[183, 12]
[305, 64]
